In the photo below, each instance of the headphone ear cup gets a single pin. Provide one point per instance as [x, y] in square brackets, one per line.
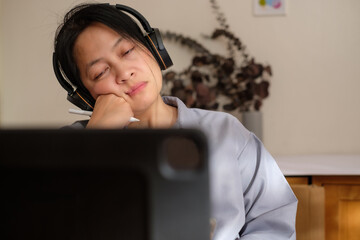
[81, 101]
[158, 50]
[75, 95]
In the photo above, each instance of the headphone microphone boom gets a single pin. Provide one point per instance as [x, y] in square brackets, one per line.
[152, 37]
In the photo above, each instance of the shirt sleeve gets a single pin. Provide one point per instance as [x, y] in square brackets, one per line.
[270, 205]
[77, 125]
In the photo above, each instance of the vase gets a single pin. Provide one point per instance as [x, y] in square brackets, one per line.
[252, 120]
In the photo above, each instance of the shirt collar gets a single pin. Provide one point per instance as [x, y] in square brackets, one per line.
[186, 117]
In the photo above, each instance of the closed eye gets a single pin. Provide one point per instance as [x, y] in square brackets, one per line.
[129, 51]
[101, 74]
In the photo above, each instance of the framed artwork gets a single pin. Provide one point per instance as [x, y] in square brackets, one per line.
[269, 7]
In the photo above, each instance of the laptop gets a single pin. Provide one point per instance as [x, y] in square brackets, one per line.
[104, 184]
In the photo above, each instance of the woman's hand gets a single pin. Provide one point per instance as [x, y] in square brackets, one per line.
[110, 111]
[212, 227]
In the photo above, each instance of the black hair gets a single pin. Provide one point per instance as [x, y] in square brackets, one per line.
[77, 20]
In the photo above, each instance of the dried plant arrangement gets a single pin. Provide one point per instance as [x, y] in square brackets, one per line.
[234, 75]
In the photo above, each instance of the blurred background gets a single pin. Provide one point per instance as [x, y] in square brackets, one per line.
[313, 106]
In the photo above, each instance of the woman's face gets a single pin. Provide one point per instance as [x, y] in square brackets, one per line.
[111, 64]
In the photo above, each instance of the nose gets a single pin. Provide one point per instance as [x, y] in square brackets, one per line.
[123, 73]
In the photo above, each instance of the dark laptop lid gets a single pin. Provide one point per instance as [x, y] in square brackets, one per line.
[102, 184]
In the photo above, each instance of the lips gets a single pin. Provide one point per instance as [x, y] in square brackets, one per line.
[136, 88]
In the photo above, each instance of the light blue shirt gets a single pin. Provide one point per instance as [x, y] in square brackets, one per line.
[250, 197]
[249, 194]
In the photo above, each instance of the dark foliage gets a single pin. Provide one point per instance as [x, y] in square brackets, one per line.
[235, 75]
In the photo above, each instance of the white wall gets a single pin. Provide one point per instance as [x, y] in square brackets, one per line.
[314, 51]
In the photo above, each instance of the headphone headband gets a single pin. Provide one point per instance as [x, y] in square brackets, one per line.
[144, 23]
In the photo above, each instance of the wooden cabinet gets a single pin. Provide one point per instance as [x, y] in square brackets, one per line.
[310, 212]
[342, 206]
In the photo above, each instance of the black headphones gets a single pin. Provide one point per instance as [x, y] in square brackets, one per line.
[85, 101]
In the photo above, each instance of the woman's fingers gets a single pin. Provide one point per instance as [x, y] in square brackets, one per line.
[110, 111]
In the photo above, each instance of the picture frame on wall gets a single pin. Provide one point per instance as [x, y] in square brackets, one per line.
[269, 7]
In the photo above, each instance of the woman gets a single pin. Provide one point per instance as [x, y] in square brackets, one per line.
[106, 56]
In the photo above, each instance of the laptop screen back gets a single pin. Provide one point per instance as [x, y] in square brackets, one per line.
[128, 184]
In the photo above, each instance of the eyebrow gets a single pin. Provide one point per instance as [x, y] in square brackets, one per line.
[92, 63]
